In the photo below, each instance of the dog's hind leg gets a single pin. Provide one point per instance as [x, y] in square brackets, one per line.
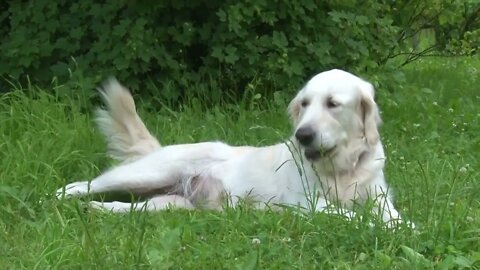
[140, 176]
[165, 168]
[157, 203]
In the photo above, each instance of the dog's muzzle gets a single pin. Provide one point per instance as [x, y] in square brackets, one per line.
[305, 136]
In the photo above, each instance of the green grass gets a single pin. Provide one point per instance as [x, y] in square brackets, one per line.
[431, 136]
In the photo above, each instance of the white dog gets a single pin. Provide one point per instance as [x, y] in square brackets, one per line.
[335, 155]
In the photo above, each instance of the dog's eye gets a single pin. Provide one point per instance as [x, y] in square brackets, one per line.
[305, 103]
[332, 104]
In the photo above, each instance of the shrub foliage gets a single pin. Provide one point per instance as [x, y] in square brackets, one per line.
[183, 42]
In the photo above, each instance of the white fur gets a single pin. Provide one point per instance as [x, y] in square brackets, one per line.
[338, 106]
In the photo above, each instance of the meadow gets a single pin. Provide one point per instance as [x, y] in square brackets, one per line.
[431, 137]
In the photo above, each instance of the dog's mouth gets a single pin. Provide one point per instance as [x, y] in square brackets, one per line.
[315, 154]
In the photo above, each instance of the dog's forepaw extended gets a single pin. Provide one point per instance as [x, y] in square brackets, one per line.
[115, 207]
[73, 190]
[97, 205]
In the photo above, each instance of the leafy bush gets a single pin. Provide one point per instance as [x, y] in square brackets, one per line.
[170, 45]
[455, 26]
[187, 42]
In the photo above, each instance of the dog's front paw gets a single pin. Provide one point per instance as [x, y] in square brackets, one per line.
[97, 205]
[115, 207]
[75, 189]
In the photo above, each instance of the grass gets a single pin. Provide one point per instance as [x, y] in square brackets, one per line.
[430, 133]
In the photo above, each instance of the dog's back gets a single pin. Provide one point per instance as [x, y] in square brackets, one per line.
[127, 137]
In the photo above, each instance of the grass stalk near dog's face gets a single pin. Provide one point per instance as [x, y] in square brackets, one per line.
[431, 136]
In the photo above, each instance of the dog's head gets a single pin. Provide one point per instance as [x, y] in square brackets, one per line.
[334, 109]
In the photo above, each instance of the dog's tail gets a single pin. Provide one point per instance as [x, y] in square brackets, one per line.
[127, 137]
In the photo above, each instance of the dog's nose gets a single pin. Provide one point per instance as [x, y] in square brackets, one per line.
[305, 135]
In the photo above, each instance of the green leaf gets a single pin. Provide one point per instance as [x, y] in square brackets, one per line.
[279, 39]
[463, 261]
[250, 262]
[222, 15]
[414, 257]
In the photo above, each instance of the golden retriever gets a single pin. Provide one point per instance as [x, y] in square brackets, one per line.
[335, 155]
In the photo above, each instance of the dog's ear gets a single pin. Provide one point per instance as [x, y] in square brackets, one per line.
[294, 108]
[371, 117]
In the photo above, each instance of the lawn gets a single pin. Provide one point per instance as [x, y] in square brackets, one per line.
[431, 137]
